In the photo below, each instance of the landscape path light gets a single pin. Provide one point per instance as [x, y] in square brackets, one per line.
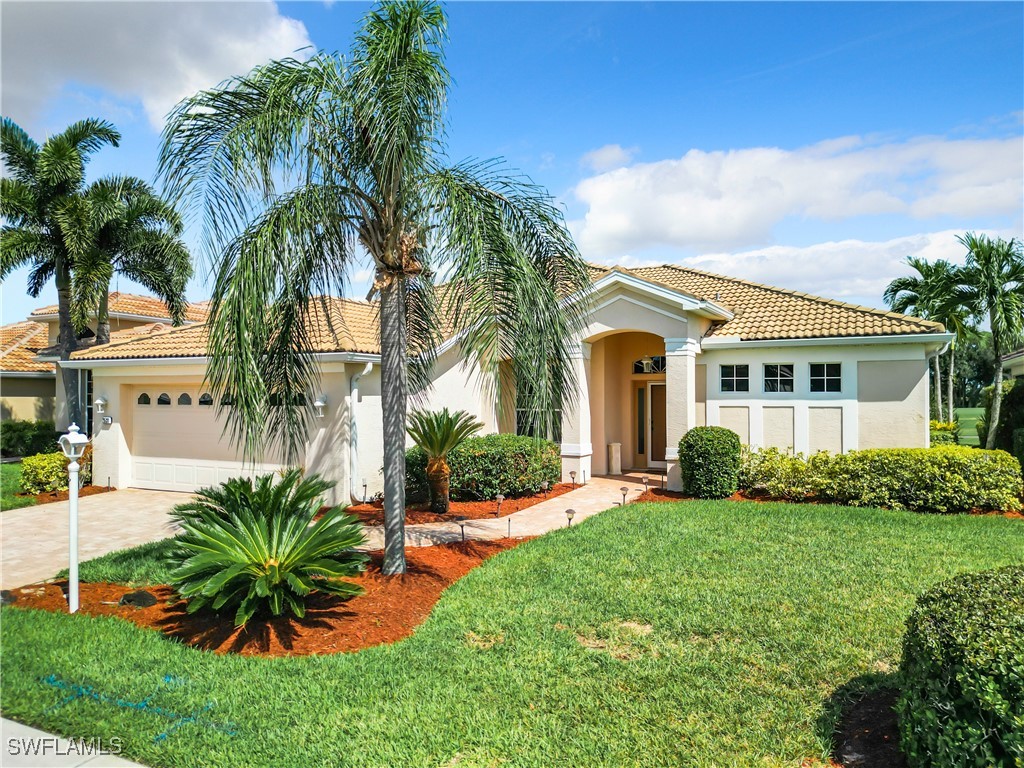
[646, 483]
[499, 498]
[624, 490]
[569, 514]
[572, 474]
[73, 445]
[544, 488]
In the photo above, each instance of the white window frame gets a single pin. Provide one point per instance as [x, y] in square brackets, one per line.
[778, 379]
[825, 378]
[734, 378]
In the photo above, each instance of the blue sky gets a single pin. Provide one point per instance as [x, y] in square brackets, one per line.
[807, 145]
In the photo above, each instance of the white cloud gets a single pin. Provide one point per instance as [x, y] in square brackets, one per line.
[851, 270]
[736, 198]
[608, 157]
[156, 53]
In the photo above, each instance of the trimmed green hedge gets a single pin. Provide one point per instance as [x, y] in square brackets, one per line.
[49, 472]
[962, 697]
[27, 438]
[944, 432]
[482, 467]
[947, 478]
[709, 462]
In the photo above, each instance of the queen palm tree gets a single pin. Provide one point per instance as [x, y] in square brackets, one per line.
[300, 169]
[438, 433]
[41, 186]
[931, 294]
[992, 288]
[122, 226]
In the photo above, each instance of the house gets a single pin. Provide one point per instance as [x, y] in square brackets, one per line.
[1013, 365]
[27, 385]
[665, 349]
[34, 357]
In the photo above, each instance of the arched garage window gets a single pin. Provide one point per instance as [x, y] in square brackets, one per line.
[144, 399]
[164, 399]
[184, 399]
[206, 399]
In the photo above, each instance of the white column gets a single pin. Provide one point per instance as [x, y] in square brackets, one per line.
[577, 449]
[680, 400]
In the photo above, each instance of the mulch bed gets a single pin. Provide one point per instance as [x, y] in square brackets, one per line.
[389, 609]
[47, 497]
[868, 734]
[372, 513]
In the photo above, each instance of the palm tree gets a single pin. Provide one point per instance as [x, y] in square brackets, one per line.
[931, 295]
[992, 288]
[300, 169]
[438, 433]
[123, 226]
[35, 196]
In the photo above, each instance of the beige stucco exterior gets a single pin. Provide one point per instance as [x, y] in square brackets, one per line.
[30, 397]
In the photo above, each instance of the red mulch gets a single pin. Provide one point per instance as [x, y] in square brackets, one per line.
[46, 497]
[372, 513]
[390, 608]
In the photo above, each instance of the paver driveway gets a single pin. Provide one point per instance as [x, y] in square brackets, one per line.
[34, 540]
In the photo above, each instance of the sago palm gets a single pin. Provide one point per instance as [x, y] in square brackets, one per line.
[438, 433]
[300, 170]
[120, 225]
[40, 186]
[992, 288]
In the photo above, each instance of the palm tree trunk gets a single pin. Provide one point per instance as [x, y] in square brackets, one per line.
[103, 318]
[937, 387]
[949, 384]
[66, 341]
[439, 481]
[997, 392]
[394, 394]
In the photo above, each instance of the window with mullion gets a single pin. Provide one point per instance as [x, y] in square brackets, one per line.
[735, 378]
[826, 377]
[778, 377]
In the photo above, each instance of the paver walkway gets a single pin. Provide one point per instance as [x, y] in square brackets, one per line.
[26, 747]
[599, 494]
[34, 540]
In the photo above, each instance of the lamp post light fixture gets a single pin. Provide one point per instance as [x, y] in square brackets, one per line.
[319, 405]
[73, 445]
[572, 474]
[364, 490]
[648, 363]
[100, 404]
[499, 498]
[625, 490]
[462, 525]
[569, 514]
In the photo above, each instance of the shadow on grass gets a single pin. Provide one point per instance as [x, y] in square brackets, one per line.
[859, 720]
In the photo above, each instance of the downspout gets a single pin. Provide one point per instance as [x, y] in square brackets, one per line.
[928, 361]
[355, 488]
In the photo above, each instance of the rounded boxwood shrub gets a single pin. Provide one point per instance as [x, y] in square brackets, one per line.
[482, 467]
[49, 471]
[962, 692]
[709, 461]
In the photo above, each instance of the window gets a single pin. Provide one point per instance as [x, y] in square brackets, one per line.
[778, 377]
[227, 400]
[826, 377]
[206, 399]
[649, 364]
[87, 385]
[144, 399]
[534, 423]
[164, 399]
[641, 419]
[735, 378]
[184, 399]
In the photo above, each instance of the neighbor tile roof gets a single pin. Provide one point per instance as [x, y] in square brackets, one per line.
[19, 344]
[141, 306]
[763, 312]
[760, 312]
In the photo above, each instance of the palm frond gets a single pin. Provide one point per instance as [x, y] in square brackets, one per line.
[19, 151]
[438, 432]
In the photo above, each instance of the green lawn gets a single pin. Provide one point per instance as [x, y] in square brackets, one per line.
[968, 418]
[693, 633]
[10, 484]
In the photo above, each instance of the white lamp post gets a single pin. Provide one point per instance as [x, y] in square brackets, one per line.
[73, 444]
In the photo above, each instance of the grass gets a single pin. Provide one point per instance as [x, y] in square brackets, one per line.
[968, 418]
[693, 633]
[10, 485]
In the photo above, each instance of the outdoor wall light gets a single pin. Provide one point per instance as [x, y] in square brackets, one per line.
[624, 490]
[648, 363]
[572, 474]
[320, 404]
[499, 498]
[569, 514]
[101, 404]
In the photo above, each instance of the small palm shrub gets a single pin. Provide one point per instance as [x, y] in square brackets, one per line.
[962, 673]
[709, 461]
[438, 433]
[260, 549]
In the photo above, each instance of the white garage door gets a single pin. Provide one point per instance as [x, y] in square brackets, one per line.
[178, 444]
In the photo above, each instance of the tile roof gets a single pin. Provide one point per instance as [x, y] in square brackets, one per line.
[761, 312]
[19, 344]
[140, 306]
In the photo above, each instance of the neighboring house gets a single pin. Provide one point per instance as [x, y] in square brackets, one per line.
[129, 314]
[27, 386]
[1013, 365]
[666, 349]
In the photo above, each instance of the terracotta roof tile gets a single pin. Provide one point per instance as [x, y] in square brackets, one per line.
[140, 306]
[19, 344]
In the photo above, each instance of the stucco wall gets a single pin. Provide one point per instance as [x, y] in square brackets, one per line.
[778, 427]
[27, 399]
[825, 426]
[893, 404]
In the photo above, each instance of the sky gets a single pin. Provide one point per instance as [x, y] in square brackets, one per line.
[813, 146]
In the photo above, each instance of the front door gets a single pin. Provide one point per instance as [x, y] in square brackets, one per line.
[656, 446]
